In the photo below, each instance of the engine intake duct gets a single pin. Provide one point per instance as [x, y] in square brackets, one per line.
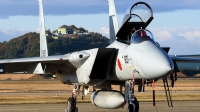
[102, 63]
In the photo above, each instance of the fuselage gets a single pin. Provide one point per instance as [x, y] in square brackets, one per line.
[144, 58]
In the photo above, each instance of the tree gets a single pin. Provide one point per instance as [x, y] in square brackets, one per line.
[28, 44]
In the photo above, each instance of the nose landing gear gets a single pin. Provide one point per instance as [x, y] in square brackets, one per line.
[133, 104]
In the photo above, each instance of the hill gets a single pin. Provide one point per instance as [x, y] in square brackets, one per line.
[27, 45]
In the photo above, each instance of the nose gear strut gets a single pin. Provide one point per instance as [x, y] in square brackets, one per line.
[133, 104]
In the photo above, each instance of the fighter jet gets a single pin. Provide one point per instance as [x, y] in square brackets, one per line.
[132, 58]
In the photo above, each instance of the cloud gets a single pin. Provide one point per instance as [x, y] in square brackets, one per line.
[181, 40]
[104, 31]
[163, 34]
[67, 7]
[191, 35]
[8, 33]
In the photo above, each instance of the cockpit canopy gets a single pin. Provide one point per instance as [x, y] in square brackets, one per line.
[141, 36]
[138, 16]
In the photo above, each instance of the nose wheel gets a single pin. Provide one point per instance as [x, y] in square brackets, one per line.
[133, 106]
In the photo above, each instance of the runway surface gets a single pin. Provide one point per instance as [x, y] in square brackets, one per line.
[69, 92]
[179, 106]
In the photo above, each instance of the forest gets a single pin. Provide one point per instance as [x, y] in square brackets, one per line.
[28, 45]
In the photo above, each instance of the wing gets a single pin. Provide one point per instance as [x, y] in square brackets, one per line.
[183, 58]
[39, 65]
[80, 67]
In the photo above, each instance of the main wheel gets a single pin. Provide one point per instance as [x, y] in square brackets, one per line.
[71, 105]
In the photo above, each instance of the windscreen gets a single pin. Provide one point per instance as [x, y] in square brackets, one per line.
[141, 36]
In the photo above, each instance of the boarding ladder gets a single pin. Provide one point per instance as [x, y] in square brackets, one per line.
[167, 92]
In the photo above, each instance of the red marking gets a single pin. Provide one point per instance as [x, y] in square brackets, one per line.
[154, 98]
[153, 84]
[123, 104]
[73, 93]
[119, 64]
[61, 58]
[133, 79]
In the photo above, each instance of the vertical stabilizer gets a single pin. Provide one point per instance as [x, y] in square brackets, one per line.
[113, 22]
[43, 41]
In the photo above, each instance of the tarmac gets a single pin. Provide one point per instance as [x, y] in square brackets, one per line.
[178, 106]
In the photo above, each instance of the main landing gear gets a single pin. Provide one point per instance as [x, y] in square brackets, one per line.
[71, 103]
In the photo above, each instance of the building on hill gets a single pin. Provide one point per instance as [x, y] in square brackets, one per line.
[62, 32]
[48, 33]
[68, 35]
[69, 32]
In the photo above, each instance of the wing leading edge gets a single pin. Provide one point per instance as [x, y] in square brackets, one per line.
[185, 59]
[50, 64]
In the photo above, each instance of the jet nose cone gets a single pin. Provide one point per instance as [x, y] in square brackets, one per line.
[169, 68]
[156, 63]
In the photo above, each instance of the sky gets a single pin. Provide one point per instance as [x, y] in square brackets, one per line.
[176, 22]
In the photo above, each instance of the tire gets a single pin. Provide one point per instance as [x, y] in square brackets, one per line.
[76, 109]
[137, 106]
[130, 108]
[133, 107]
[71, 105]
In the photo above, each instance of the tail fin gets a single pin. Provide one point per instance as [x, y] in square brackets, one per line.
[43, 41]
[114, 27]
